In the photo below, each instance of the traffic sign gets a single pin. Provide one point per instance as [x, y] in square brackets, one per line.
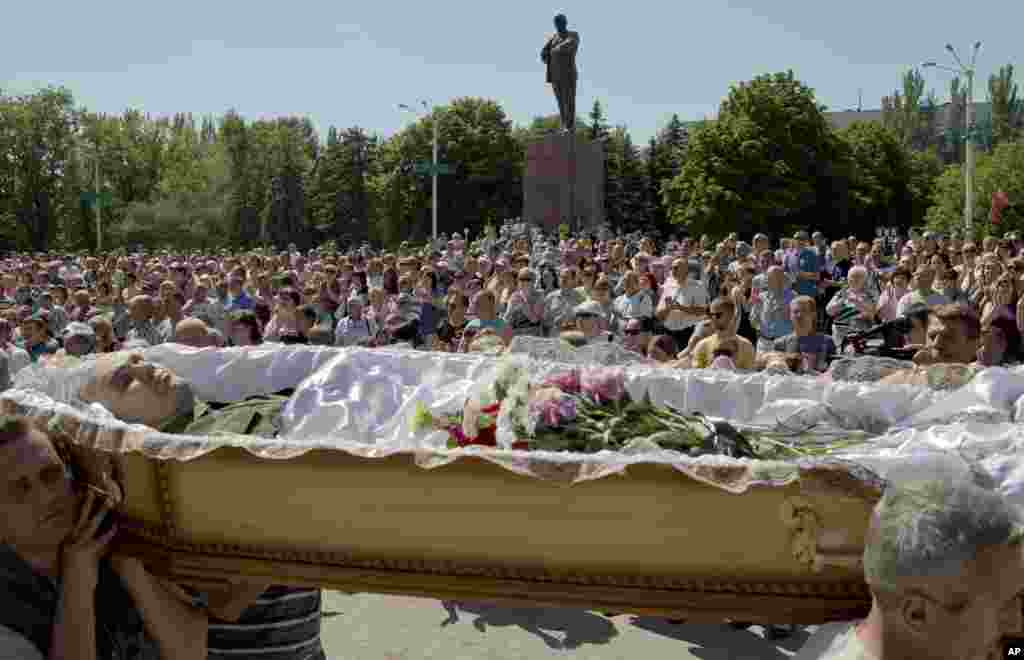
[428, 169]
[103, 200]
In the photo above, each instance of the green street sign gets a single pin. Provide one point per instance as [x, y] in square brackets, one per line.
[103, 200]
[427, 169]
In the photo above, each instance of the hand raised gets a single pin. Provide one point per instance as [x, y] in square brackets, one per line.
[83, 548]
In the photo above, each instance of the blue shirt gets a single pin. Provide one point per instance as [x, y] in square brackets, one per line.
[806, 262]
[242, 301]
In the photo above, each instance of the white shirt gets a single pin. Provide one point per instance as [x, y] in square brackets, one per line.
[637, 307]
[350, 331]
[690, 293]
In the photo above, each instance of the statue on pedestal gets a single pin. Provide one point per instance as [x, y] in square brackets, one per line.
[559, 54]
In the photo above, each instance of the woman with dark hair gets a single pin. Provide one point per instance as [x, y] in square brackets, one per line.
[662, 349]
[390, 282]
[285, 321]
[649, 287]
[448, 335]
[548, 279]
[244, 328]
[1000, 343]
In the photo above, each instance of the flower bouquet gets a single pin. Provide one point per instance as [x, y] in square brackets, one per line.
[587, 410]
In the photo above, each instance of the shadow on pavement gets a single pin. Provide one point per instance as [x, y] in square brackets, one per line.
[722, 642]
[578, 627]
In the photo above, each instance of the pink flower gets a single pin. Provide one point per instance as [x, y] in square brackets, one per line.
[568, 382]
[553, 408]
[604, 385]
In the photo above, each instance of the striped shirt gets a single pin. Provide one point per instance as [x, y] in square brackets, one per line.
[283, 624]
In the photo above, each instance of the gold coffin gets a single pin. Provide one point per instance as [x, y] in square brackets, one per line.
[653, 540]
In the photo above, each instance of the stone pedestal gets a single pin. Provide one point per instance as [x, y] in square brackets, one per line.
[548, 181]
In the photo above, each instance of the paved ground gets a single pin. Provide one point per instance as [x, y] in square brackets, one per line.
[373, 627]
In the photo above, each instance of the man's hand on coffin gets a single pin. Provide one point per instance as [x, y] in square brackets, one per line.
[99, 470]
[228, 605]
[85, 545]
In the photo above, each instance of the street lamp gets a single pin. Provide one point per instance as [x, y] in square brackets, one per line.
[434, 169]
[968, 72]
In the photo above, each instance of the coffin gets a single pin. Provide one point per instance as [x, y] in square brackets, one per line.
[347, 499]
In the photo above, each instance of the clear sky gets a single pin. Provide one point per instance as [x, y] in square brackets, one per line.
[351, 63]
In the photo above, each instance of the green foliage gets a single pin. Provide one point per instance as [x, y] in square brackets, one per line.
[1002, 170]
[759, 166]
[598, 122]
[902, 112]
[476, 138]
[625, 183]
[37, 140]
[1007, 107]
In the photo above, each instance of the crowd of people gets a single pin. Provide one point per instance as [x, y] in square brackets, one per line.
[798, 304]
[801, 305]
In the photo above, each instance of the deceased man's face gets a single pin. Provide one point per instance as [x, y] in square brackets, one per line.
[135, 390]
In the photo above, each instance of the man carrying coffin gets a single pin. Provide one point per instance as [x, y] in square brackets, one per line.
[60, 596]
[252, 621]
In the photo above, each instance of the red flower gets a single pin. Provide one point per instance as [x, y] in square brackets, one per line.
[1000, 200]
[491, 409]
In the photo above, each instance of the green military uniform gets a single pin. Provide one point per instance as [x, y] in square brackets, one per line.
[258, 416]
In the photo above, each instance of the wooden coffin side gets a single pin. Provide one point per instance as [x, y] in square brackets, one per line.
[652, 541]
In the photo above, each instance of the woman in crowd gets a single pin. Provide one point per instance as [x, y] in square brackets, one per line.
[284, 322]
[524, 311]
[1000, 300]
[448, 336]
[244, 328]
[103, 330]
[899, 286]
[486, 319]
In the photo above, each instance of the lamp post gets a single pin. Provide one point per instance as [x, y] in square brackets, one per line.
[434, 164]
[967, 72]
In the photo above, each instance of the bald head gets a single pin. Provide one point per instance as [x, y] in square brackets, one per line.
[192, 332]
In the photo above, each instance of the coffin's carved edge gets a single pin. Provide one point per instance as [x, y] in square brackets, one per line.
[159, 542]
[804, 523]
[162, 470]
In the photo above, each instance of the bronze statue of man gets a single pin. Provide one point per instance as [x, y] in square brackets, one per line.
[559, 54]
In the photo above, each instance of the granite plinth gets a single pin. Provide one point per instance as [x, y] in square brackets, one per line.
[548, 181]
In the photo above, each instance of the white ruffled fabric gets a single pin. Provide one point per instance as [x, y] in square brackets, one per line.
[363, 400]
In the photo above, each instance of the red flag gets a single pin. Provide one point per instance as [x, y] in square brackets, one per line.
[999, 202]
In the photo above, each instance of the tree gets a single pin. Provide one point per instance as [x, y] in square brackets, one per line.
[38, 140]
[242, 211]
[1000, 171]
[761, 165]
[625, 183]
[598, 122]
[890, 185]
[476, 139]
[1007, 108]
[901, 113]
[951, 144]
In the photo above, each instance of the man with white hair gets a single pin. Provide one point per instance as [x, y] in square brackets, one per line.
[944, 564]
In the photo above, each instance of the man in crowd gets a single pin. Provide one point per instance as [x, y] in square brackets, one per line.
[770, 310]
[946, 360]
[724, 342]
[37, 341]
[683, 305]
[944, 563]
[808, 350]
[802, 265]
[141, 310]
[558, 305]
